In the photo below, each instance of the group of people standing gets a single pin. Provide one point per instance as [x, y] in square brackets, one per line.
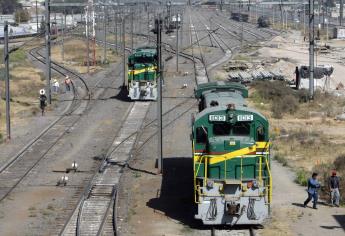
[55, 89]
[56, 85]
[314, 186]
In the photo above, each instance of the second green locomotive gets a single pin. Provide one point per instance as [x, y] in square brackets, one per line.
[142, 74]
[232, 179]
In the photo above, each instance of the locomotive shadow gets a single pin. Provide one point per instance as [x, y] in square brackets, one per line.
[175, 199]
[176, 196]
[122, 94]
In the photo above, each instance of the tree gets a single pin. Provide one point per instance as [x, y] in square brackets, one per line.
[9, 6]
[22, 15]
[329, 3]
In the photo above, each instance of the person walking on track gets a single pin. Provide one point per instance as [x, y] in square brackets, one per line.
[313, 187]
[333, 186]
[68, 84]
[43, 99]
[56, 86]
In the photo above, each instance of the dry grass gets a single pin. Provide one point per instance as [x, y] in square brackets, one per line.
[307, 138]
[26, 80]
[75, 55]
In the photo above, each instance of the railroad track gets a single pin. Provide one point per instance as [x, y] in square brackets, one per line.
[233, 232]
[96, 207]
[28, 160]
[19, 166]
[96, 212]
[248, 28]
[91, 215]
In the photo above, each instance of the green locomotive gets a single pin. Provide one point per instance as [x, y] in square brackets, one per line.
[232, 179]
[142, 74]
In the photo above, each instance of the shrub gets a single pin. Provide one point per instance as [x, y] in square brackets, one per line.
[283, 99]
[22, 15]
[302, 177]
[281, 159]
[281, 106]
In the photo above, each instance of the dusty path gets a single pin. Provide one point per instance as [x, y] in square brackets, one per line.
[289, 218]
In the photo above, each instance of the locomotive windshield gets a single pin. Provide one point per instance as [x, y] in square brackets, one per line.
[226, 129]
[144, 59]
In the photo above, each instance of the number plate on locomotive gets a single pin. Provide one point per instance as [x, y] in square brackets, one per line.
[217, 118]
[245, 118]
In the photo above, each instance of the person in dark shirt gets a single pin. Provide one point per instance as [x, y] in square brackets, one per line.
[313, 187]
[333, 186]
[43, 99]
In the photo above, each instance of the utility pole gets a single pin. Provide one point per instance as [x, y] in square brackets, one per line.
[311, 49]
[132, 22]
[177, 42]
[124, 49]
[48, 61]
[93, 34]
[7, 82]
[303, 19]
[116, 33]
[105, 35]
[158, 26]
[63, 35]
[281, 12]
[242, 35]
[37, 17]
[148, 24]
[87, 38]
[341, 12]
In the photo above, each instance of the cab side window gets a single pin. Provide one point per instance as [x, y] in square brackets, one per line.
[201, 135]
[260, 134]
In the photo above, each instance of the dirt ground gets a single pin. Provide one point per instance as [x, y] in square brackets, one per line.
[153, 205]
[25, 82]
[75, 55]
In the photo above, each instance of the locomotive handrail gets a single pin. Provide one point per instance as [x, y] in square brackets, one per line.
[203, 159]
[270, 180]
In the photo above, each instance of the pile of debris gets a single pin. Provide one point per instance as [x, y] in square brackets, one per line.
[253, 75]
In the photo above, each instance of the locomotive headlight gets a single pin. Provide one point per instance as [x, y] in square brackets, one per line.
[210, 183]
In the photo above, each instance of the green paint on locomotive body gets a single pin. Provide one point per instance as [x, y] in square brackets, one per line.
[225, 125]
[142, 64]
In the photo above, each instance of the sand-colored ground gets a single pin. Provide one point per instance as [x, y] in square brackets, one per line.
[25, 83]
[75, 55]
